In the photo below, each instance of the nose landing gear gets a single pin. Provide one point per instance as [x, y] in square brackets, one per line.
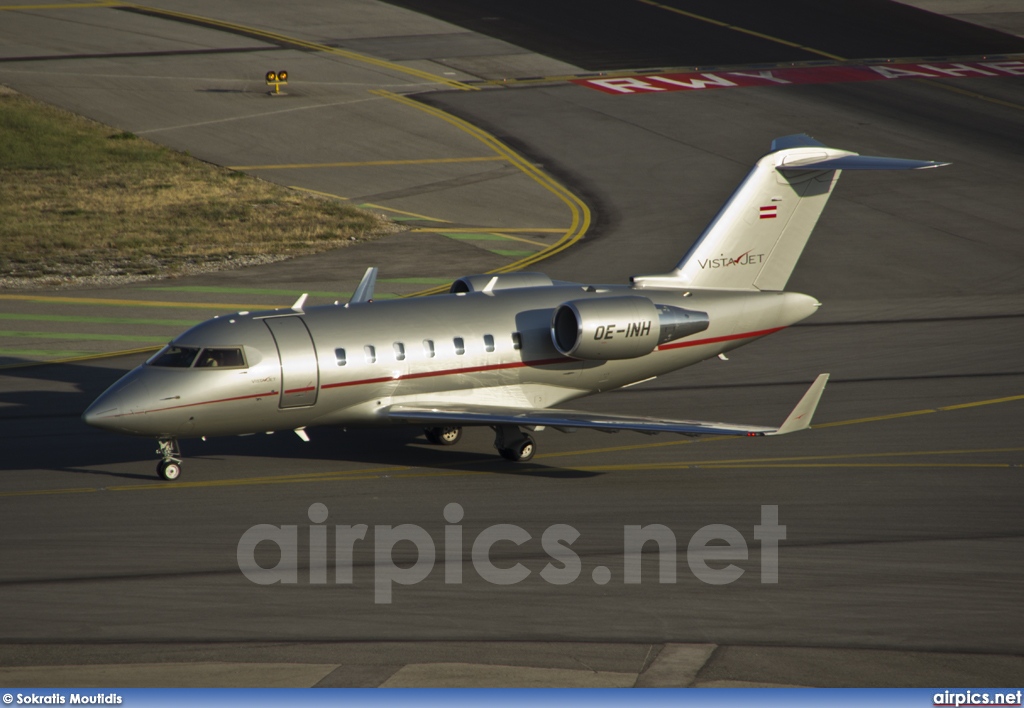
[169, 468]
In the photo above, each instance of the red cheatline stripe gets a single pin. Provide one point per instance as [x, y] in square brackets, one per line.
[451, 372]
[200, 403]
[715, 340]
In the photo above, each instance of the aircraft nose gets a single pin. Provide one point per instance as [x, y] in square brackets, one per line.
[99, 412]
[108, 411]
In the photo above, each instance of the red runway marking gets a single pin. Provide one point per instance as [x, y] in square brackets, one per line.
[698, 81]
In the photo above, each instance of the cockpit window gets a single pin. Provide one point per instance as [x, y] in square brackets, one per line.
[177, 357]
[221, 357]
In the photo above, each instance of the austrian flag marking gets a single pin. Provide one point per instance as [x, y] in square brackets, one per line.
[769, 212]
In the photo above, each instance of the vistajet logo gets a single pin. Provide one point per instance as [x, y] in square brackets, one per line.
[711, 552]
[724, 261]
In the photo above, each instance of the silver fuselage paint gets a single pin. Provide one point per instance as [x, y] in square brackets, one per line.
[294, 379]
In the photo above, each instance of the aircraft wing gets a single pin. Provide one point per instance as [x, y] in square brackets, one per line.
[565, 420]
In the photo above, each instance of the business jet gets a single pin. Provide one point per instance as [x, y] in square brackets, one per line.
[504, 351]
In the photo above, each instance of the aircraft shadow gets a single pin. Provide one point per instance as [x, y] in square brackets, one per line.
[40, 428]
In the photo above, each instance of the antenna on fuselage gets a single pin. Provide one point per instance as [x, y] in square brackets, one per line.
[364, 293]
[300, 302]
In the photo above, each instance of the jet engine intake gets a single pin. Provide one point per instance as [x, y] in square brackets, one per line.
[620, 327]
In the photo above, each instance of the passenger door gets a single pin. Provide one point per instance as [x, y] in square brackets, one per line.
[300, 372]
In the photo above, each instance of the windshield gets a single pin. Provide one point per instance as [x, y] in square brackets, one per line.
[178, 357]
[222, 357]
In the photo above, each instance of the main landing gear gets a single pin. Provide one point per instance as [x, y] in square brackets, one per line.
[509, 440]
[513, 444]
[169, 467]
[447, 435]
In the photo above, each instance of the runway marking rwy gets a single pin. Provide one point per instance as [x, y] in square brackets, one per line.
[789, 76]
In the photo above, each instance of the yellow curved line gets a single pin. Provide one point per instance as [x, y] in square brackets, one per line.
[581, 217]
[274, 36]
[743, 30]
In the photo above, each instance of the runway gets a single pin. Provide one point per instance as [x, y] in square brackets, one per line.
[900, 561]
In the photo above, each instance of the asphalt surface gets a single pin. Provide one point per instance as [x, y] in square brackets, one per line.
[633, 34]
[901, 560]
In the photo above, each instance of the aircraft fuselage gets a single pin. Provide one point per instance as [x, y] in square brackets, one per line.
[339, 365]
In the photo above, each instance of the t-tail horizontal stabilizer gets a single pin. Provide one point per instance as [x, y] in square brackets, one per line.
[757, 238]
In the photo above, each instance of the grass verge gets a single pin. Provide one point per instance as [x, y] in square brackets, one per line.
[85, 201]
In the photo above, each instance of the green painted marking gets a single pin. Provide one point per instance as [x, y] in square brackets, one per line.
[84, 336]
[511, 253]
[416, 281]
[95, 320]
[473, 237]
[39, 352]
[244, 291]
[214, 289]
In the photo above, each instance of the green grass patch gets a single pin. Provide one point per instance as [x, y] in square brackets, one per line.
[84, 199]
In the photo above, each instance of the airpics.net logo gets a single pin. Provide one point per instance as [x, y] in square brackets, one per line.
[711, 552]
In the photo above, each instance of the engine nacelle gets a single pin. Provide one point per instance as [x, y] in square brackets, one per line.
[505, 281]
[620, 327]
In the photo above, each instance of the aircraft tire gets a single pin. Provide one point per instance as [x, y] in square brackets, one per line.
[168, 470]
[523, 451]
[526, 450]
[447, 435]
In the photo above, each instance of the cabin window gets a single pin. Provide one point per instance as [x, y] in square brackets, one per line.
[399, 351]
[460, 346]
[177, 357]
[517, 340]
[489, 342]
[223, 357]
[339, 354]
[371, 353]
[428, 348]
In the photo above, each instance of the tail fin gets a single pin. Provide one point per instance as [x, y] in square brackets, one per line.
[756, 239]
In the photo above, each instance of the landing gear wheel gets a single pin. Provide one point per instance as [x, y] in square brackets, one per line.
[447, 435]
[513, 444]
[168, 469]
[522, 451]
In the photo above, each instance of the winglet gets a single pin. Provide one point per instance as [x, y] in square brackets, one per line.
[800, 418]
[364, 293]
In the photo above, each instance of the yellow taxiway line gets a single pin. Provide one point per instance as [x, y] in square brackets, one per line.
[580, 213]
[852, 460]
